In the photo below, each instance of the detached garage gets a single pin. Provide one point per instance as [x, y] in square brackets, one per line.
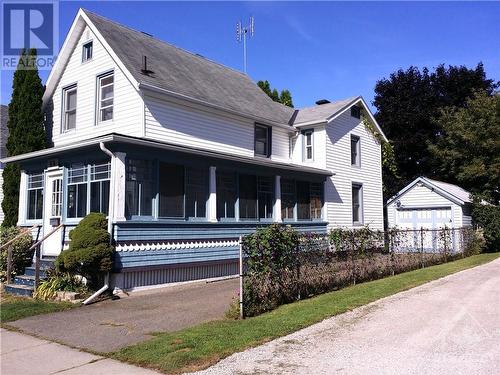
[429, 204]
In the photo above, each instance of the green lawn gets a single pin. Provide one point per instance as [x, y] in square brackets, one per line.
[14, 308]
[203, 345]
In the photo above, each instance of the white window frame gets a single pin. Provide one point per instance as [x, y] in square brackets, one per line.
[360, 220]
[357, 162]
[306, 133]
[268, 145]
[85, 56]
[99, 106]
[35, 181]
[66, 111]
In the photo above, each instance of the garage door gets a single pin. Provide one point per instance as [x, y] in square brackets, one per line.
[427, 218]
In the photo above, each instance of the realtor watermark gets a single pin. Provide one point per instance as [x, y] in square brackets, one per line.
[29, 25]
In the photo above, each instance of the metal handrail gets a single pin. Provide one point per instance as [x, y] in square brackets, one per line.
[19, 235]
[47, 236]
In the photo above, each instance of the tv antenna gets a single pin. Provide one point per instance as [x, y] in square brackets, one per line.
[241, 34]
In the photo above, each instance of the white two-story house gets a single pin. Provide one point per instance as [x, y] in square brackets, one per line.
[184, 155]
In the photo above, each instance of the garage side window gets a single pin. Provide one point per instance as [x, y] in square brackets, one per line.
[357, 204]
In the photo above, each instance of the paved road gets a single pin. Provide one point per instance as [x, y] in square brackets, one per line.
[25, 355]
[449, 326]
[110, 325]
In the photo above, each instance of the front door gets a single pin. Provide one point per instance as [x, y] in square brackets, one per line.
[52, 213]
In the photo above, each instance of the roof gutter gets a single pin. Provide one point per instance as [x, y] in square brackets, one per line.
[147, 86]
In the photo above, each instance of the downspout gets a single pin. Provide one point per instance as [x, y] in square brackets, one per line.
[110, 220]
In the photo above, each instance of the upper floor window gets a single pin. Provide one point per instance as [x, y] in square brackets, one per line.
[308, 145]
[69, 106]
[105, 97]
[87, 50]
[355, 111]
[35, 196]
[355, 155]
[357, 204]
[262, 140]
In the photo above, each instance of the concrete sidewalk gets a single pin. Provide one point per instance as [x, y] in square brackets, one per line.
[26, 355]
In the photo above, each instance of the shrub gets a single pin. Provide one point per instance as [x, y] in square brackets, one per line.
[89, 253]
[59, 282]
[233, 312]
[487, 217]
[21, 255]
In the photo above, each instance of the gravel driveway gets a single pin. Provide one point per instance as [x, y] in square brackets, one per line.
[449, 326]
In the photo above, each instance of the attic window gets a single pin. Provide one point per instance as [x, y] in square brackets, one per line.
[355, 111]
[87, 51]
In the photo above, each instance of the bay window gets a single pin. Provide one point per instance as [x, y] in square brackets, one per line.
[35, 196]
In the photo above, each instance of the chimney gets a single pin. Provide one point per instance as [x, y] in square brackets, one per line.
[322, 101]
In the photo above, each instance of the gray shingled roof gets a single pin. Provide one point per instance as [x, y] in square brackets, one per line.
[4, 130]
[452, 189]
[322, 112]
[188, 74]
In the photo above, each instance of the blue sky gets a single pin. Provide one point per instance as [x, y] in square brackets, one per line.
[316, 49]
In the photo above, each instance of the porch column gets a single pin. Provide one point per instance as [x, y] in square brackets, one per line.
[277, 201]
[118, 190]
[212, 198]
[23, 188]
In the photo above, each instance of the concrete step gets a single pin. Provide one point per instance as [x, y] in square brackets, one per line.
[30, 271]
[25, 280]
[19, 290]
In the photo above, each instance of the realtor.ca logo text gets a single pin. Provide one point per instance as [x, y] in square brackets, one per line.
[26, 26]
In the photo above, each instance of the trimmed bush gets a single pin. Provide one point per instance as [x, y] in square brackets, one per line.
[487, 217]
[21, 255]
[90, 252]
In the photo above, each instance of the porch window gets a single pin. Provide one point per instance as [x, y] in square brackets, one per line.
[265, 197]
[171, 191]
[316, 200]
[226, 195]
[105, 97]
[69, 108]
[139, 188]
[303, 200]
[248, 196]
[196, 192]
[288, 199]
[35, 196]
[100, 176]
[77, 191]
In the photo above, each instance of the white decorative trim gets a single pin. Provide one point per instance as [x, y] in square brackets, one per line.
[152, 246]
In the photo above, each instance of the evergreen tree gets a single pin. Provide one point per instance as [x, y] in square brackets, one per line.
[285, 97]
[26, 129]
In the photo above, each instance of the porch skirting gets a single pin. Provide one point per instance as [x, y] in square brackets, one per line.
[149, 276]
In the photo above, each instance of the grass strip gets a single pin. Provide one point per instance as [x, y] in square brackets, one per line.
[198, 347]
[14, 308]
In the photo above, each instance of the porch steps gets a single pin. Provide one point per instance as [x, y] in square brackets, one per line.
[25, 284]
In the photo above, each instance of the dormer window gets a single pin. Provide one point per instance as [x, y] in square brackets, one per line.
[105, 97]
[87, 50]
[355, 111]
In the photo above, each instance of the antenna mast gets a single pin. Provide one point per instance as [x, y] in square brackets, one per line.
[241, 34]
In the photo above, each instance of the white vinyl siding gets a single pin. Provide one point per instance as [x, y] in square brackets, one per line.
[173, 123]
[338, 188]
[128, 107]
[319, 140]
[421, 197]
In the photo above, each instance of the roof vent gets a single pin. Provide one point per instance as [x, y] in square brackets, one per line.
[144, 69]
[322, 101]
